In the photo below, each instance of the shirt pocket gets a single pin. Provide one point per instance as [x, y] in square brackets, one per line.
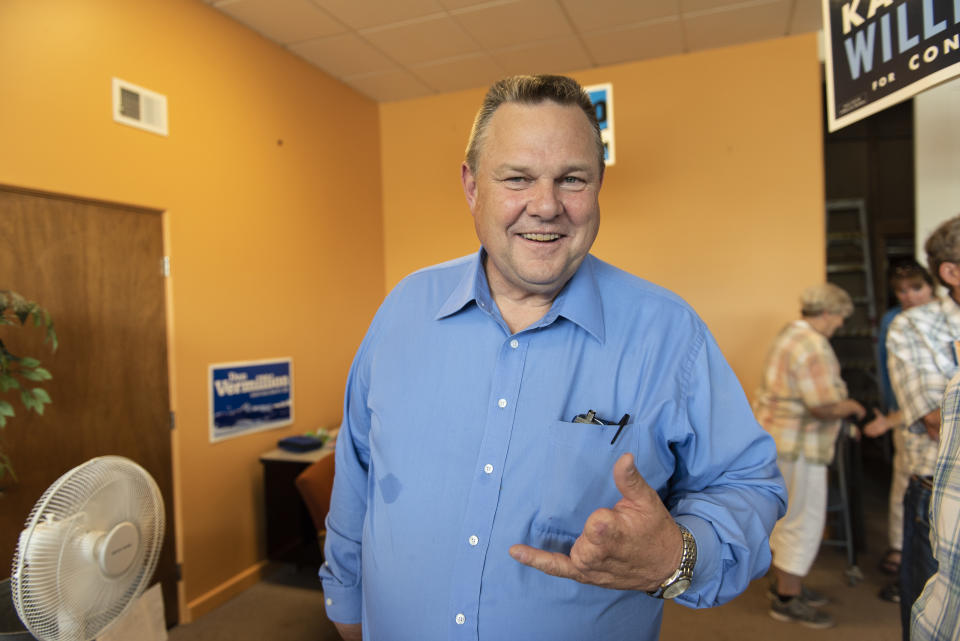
[577, 479]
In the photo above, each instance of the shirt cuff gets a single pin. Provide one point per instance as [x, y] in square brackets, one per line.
[707, 567]
[343, 604]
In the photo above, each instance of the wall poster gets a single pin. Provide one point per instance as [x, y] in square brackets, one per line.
[250, 396]
[602, 98]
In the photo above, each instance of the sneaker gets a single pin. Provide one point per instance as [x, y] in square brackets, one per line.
[811, 597]
[891, 593]
[798, 611]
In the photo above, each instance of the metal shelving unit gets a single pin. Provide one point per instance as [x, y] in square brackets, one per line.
[850, 266]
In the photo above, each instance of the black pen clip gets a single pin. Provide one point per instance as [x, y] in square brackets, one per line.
[622, 424]
[591, 418]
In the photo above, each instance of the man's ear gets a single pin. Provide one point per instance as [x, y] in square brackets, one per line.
[469, 185]
[950, 274]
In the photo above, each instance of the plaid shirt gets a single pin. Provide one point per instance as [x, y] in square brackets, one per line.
[801, 372]
[936, 613]
[921, 361]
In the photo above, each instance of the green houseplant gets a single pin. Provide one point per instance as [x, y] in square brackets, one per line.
[20, 374]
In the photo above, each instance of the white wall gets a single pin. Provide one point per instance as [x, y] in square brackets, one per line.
[936, 117]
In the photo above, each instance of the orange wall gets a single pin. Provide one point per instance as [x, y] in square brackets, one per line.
[276, 250]
[717, 191]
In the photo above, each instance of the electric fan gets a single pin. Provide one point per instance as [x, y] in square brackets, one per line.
[88, 549]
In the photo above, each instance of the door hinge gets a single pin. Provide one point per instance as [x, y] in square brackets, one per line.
[173, 421]
[165, 266]
[179, 571]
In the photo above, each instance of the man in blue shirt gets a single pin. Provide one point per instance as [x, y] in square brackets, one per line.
[536, 444]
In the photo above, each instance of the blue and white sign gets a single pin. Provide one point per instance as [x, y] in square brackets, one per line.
[250, 396]
[881, 52]
[602, 98]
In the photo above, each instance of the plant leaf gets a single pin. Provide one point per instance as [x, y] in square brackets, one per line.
[8, 382]
[6, 409]
[28, 362]
[6, 467]
[43, 373]
[27, 399]
[41, 395]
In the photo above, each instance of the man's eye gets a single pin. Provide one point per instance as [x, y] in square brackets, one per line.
[573, 182]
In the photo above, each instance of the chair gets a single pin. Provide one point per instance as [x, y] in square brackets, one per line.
[315, 485]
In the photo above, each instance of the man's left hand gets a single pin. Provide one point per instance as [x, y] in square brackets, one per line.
[636, 545]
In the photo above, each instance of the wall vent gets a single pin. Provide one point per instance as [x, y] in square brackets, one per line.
[139, 107]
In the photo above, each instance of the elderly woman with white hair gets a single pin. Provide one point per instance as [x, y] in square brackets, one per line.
[802, 402]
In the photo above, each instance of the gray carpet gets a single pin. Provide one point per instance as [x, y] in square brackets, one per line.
[288, 604]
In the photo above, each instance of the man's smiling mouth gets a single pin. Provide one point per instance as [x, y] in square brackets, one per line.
[543, 238]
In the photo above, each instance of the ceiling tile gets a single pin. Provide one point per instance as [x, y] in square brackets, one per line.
[283, 21]
[503, 25]
[452, 5]
[361, 14]
[560, 55]
[389, 86]
[696, 6]
[593, 15]
[343, 55]
[664, 38]
[465, 72]
[417, 42]
[723, 28]
[807, 16]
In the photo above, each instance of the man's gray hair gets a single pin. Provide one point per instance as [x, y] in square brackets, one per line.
[943, 246]
[825, 298]
[530, 90]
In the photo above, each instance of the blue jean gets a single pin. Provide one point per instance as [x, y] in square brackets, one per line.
[916, 563]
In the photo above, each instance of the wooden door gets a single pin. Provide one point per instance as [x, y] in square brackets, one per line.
[96, 268]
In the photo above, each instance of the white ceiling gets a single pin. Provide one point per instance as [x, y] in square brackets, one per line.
[400, 49]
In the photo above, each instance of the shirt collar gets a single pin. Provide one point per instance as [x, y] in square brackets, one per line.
[579, 301]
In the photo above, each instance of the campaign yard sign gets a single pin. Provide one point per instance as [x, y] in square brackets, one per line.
[881, 52]
[602, 98]
[250, 396]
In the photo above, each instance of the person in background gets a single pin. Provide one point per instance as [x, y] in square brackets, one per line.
[912, 285]
[536, 444]
[922, 357]
[801, 402]
[936, 613]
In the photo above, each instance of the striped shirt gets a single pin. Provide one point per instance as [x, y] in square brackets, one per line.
[801, 372]
[921, 360]
[936, 614]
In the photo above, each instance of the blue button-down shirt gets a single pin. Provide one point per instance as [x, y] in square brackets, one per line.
[457, 442]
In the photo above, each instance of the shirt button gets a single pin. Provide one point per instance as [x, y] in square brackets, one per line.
[461, 619]
[514, 343]
[329, 601]
[488, 468]
[474, 539]
[502, 403]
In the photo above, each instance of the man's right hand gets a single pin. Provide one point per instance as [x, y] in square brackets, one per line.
[350, 631]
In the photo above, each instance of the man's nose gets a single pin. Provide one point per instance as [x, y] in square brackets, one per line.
[544, 200]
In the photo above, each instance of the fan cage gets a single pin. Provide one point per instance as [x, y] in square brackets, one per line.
[58, 589]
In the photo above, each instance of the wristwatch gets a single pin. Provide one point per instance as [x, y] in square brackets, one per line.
[678, 582]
